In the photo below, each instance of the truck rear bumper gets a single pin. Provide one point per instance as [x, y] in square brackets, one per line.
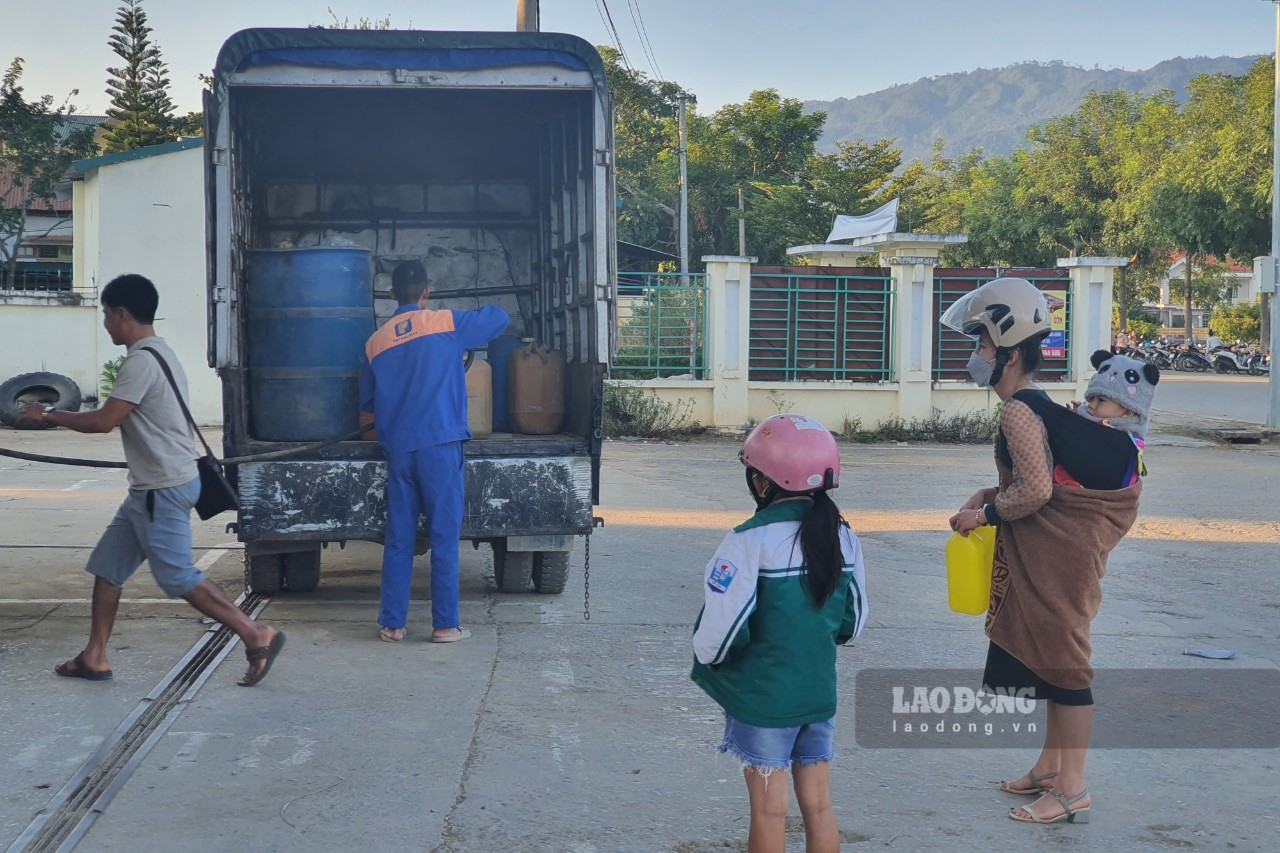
[346, 499]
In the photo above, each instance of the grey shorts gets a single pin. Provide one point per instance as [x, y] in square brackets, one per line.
[160, 535]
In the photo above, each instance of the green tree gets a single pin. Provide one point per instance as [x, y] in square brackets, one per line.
[1142, 326]
[37, 147]
[764, 144]
[1204, 197]
[856, 178]
[1239, 322]
[645, 141]
[980, 197]
[141, 111]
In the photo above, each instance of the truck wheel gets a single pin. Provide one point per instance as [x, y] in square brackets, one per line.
[301, 571]
[550, 571]
[266, 572]
[51, 389]
[512, 570]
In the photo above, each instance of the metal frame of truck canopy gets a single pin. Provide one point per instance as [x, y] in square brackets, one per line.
[567, 471]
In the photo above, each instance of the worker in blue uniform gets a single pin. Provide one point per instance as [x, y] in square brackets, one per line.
[413, 385]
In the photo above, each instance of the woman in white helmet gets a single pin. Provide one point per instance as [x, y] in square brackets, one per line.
[1052, 543]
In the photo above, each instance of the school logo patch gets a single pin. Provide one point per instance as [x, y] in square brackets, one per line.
[403, 328]
[722, 576]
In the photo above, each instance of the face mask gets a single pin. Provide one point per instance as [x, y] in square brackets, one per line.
[980, 370]
[762, 497]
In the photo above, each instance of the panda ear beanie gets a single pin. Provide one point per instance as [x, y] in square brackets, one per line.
[1130, 383]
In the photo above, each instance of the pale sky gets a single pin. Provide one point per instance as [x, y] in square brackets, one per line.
[719, 49]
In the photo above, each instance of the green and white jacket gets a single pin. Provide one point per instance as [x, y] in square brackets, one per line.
[762, 650]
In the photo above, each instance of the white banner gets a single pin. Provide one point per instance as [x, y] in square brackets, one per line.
[882, 220]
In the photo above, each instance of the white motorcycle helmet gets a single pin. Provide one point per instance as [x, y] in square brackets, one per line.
[1010, 310]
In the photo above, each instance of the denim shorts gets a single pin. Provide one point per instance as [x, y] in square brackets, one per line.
[159, 534]
[777, 749]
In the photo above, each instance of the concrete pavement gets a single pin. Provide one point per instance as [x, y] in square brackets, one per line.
[1210, 398]
[546, 732]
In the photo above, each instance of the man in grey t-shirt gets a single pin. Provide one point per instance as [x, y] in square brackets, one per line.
[154, 522]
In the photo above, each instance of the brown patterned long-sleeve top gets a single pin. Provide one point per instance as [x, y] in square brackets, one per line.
[1024, 462]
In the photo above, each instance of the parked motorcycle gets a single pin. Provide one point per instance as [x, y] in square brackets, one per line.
[1229, 360]
[1162, 357]
[1191, 359]
[1258, 364]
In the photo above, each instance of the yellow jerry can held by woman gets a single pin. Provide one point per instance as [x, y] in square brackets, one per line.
[969, 562]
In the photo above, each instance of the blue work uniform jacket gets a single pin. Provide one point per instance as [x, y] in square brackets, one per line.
[412, 378]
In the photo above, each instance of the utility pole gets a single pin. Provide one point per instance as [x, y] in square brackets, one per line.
[684, 186]
[742, 225]
[527, 16]
[1273, 309]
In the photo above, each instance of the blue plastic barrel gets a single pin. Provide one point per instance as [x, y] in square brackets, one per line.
[500, 350]
[310, 312]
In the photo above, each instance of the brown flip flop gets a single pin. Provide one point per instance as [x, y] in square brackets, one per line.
[75, 668]
[261, 653]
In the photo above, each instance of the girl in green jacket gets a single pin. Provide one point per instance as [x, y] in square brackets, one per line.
[784, 589]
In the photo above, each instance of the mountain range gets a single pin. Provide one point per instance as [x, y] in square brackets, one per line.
[993, 107]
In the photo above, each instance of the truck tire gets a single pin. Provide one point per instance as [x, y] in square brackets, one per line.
[550, 571]
[266, 572]
[51, 389]
[301, 570]
[512, 570]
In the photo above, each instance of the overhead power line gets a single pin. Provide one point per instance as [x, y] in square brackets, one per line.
[606, 17]
[637, 20]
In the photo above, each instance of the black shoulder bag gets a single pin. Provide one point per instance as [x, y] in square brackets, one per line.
[216, 494]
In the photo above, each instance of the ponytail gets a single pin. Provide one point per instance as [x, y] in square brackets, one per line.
[820, 545]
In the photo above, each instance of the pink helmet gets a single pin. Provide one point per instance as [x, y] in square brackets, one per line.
[795, 452]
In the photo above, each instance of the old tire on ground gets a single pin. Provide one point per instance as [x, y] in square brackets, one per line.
[50, 389]
[512, 570]
[550, 571]
[266, 572]
[301, 570]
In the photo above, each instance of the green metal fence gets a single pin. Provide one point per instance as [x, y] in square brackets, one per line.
[662, 325]
[836, 326]
[951, 349]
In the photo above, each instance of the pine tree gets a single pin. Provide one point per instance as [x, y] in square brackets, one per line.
[141, 111]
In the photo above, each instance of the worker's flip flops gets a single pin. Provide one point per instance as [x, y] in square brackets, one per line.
[463, 633]
[261, 653]
[75, 668]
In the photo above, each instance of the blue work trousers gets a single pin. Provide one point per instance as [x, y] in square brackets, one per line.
[421, 482]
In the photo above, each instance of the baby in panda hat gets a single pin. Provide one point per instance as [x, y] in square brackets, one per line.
[1121, 393]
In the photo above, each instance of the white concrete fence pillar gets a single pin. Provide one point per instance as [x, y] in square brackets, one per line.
[728, 336]
[913, 316]
[1092, 282]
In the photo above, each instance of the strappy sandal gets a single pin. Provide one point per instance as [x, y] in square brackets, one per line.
[1036, 787]
[257, 655]
[1069, 814]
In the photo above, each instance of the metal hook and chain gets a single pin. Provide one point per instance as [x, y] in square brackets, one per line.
[597, 521]
[586, 581]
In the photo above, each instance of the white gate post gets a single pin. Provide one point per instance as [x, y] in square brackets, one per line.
[728, 336]
[911, 268]
[1092, 282]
